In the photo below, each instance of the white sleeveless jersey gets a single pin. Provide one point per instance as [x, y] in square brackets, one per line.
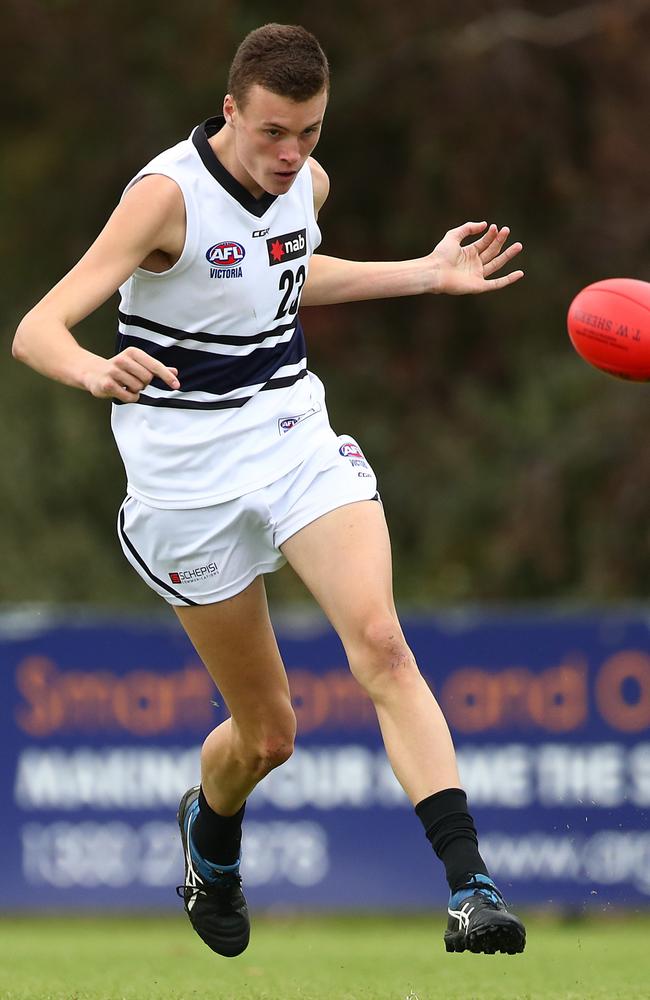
[226, 316]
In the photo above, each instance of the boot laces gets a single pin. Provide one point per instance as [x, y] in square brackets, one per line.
[489, 893]
[222, 886]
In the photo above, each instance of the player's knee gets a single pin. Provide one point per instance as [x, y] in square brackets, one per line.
[380, 658]
[268, 753]
[277, 752]
[271, 744]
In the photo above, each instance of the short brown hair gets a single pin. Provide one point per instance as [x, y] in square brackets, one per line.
[283, 58]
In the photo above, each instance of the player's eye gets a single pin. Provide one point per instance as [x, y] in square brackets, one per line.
[273, 132]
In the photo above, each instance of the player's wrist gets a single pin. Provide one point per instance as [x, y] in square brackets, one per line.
[88, 372]
[431, 275]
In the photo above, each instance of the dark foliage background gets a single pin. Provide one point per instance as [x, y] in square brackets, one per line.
[510, 471]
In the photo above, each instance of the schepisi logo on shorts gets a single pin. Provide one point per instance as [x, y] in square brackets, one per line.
[225, 259]
[194, 575]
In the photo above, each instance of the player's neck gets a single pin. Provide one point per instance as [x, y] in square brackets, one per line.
[223, 146]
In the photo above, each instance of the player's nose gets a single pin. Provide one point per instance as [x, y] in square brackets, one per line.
[290, 154]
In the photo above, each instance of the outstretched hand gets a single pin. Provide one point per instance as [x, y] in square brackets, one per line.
[467, 270]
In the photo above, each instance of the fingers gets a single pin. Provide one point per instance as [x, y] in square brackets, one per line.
[489, 247]
[123, 394]
[468, 229]
[487, 240]
[507, 279]
[495, 263]
[133, 374]
[107, 387]
[127, 374]
[151, 366]
[492, 242]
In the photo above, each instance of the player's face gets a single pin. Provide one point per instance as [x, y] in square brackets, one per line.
[274, 135]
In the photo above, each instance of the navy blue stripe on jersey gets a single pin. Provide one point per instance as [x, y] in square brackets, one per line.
[178, 403]
[284, 381]
[138, 558]
[205, 371]
[204, 338]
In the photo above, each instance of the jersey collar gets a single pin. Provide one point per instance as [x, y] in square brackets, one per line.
[200, 136]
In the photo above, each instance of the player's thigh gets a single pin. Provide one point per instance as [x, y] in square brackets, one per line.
[344, 558]
[236, 642]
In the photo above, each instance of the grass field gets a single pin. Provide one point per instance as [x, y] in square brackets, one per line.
[309, 958]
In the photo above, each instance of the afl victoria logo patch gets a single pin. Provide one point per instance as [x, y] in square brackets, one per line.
[225, 259]
[225, 254]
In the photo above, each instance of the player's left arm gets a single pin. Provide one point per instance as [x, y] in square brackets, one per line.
[450, 267]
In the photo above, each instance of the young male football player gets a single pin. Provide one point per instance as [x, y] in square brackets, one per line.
[233, 467]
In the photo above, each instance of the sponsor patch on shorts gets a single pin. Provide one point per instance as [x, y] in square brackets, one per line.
[285, 424]
[350, 449]
[181, 576]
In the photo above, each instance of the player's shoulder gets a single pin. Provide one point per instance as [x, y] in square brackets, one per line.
[320, 183]
[161, 182]
[156, 194]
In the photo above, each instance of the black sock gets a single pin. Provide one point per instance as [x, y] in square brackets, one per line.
[450, 828]
[217, 838]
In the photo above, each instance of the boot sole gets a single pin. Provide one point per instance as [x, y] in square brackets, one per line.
[508, 940]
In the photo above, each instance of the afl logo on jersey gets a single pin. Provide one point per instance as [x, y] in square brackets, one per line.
[225, 258]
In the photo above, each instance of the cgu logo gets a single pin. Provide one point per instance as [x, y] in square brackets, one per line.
[225, 254]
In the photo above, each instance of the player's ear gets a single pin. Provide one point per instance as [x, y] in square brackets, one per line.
[229, 109]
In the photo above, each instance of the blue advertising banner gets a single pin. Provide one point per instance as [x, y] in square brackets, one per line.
[102, 723]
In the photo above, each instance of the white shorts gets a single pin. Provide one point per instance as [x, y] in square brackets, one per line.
[208, 554]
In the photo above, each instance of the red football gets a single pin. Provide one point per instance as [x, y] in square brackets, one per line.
[609, 326]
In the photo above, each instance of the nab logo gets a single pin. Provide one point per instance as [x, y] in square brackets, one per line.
[287, 247]
[227, 254]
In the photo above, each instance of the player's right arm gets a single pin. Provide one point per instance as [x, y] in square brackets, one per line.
[150, 217]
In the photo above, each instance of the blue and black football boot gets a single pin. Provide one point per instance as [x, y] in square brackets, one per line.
[479, 920]
[212, 894]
